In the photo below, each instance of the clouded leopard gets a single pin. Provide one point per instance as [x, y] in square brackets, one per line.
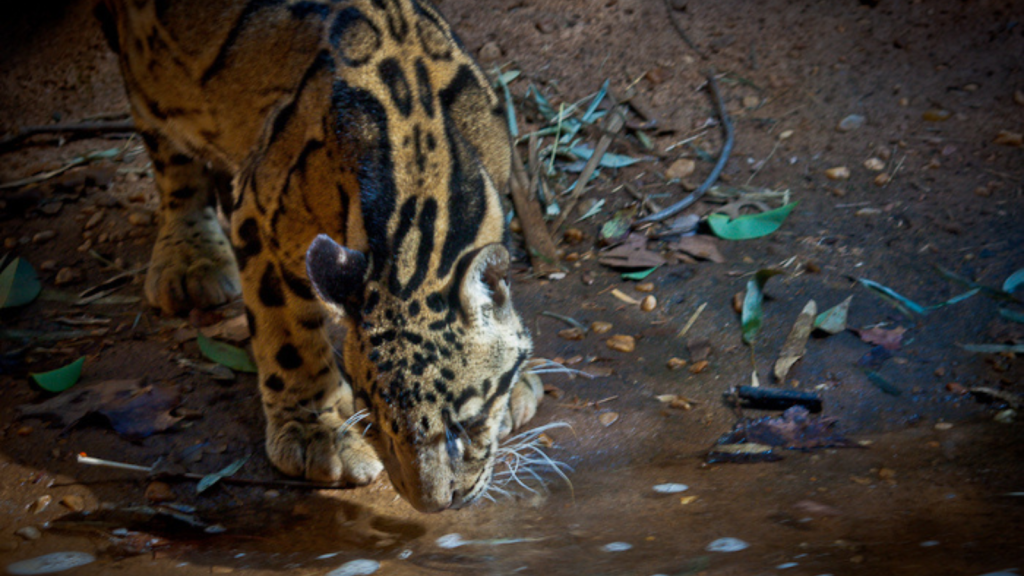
[365, 152]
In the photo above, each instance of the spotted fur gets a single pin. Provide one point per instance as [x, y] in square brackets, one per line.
[366, 152]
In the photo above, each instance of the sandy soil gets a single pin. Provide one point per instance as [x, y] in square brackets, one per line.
[933, 487]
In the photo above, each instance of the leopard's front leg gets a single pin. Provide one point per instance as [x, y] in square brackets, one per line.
[305, 398]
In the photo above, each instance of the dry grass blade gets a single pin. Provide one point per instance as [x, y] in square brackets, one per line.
[613, 124]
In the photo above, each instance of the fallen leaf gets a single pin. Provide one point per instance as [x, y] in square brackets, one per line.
[796, 343]
[699, 348]
[19, 283]
[889, 339]
[751, 317]
[631, 253]
[833, 320]
[133, 410]
[703, 247]
[226, 354]
[751, 226]
[796, 429]
[210, 479]
[60, 379]
[617, 229]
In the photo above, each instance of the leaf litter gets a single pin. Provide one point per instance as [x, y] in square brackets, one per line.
[795, 429]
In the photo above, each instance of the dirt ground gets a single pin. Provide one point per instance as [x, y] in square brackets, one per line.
[934, 483]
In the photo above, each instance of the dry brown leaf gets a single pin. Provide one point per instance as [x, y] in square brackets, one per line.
[888, 339]
[796, 343]
[703, 247]
[607, 418]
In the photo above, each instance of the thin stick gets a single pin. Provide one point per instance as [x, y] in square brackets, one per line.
[616, 120]
[77, 128]
[682, 33]
[723, 157]
[90, 461]
[539, 244]
[693, 318]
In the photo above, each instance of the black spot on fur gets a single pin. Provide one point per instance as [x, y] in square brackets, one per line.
[251, 320]
[393, 77]
[345, 20]
[251, 243]
[313, 323]
[270, 292]
[274, 382]
[414, 308]
[436, 302]
[425, 89]
[447, 374]
[288, 357]
[298, 285]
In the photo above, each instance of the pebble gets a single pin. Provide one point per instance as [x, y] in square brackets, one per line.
[600, 327]
[94, 219]
[571, 334]
[850, 123]
[85, 246]
[44, 236]
[671, 488]
[751, 101]
[29, 533]
[489, 52]
[73, 502]
[621, 343]
[50, 563]
[356, 568]
[874, 164]
[727, 545]
[140, 218]
[882, 179]
[838, 173]
[645, 287]
[648, 303]
[159, 492]
[680, 169]
[699, 367]
[41, 503]
[616, 547]
[676, 363]
[574, 236]
[936, 115]
[67, 276]
[1007, 138]
[943, 426]
[608, 418]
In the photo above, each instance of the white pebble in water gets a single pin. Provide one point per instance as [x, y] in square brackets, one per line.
[671, 488]
[727, 545]
[787, 565]
[356, 568]
[451, 541]
[50, 563]
[616, 547]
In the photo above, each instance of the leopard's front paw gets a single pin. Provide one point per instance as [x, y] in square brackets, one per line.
[192, 266]
[522, 402]
[322, 454]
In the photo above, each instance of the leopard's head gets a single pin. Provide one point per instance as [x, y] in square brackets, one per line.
[434, 368]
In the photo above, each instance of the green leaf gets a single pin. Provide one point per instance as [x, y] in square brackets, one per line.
[19, 284]
[60, 379]
[618, 227]
[229, 470]
[901, 302]
[1012, 315]
[588, 116]
[751, 226]
[639, 274]
[1016, 280]
[833, 320]
[752, 316]
[994, 348]
[609, 160]
[226, 354]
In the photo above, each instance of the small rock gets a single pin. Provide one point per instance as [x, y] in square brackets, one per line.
[838, 173]
[48, 266]
[1007, 138]
[943, 426]
[699, 367]
[41, 504]
[874, 164]
[737, 302]
[727, 545]
[607, 418]
[785, 135]
[574, 236]
[67, 276]
[159, 492]
[29, 533]
[863, 212]
[645, 287]
[957, 388]
[680, 169]
[850, 123]
[621, 343]
[86, 246]
[676, 363]
[648, 303]
[882, 179]
[44, 236]
[571, 334]
[616, 547]
[751, 101]
[139, 218]
[73, 502]
[489, 52]
[94, 219]
[671, 488]
[600, 327]
[936, 115]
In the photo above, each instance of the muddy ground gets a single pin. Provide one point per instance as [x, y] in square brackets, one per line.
[933, 484]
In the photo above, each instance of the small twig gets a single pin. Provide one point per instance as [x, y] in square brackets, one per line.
[77, 128]
[90, 461]
[539, 244]
[682, 33]
[692, 320]
[723, 157]
[615, 121]
[645, 200]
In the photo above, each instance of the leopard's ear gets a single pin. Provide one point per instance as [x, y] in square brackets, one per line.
[484, 290]
[337, 273]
